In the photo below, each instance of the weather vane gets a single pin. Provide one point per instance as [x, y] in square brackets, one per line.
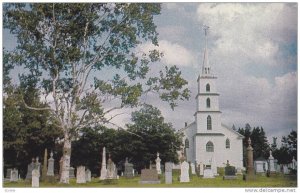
[205, 28]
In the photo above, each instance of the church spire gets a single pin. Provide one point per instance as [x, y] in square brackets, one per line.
[206, 69]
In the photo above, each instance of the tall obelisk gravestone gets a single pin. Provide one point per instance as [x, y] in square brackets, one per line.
[250, 170]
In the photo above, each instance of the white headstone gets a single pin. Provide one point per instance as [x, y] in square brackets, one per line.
[50, 171]
[193, 169]
[184, 174]
[88, 175]
[14, 175]
[271, 163]
[35, 178]
[260, 166]
[103, 166]
[111, 170]
[285, 169]
[158, 164]
[168, 172]
[201, 169]
[80, 175]
[239, 171]
[294, 164]
[214, 166]
[208, 173]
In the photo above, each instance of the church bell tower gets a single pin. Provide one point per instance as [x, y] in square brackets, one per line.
[208, 114]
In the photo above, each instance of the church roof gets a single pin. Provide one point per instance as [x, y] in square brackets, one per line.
[237, 133]
[182, 129]
[223, 125]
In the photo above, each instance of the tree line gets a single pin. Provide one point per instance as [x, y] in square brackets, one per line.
[284, 153]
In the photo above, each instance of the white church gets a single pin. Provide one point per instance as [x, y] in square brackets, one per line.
[207, 141]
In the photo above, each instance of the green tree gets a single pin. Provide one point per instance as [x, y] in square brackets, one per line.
[154, 135]
[258, 140]
[85, 56]
[288, 149]
[26, 133]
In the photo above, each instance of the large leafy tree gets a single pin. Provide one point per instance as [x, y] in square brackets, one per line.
[85, 56]
[154, 135]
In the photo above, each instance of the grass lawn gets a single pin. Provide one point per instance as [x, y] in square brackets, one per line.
[260, 181]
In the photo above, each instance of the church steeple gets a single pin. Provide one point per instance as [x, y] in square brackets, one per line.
[206, 68]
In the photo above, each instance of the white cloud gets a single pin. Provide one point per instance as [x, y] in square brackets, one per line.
[250, 30]
[174, 54]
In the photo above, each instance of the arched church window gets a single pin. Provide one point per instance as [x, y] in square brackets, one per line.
[227, 143]
[209, 122]
[208, 102]
[207, 88]
[186, 143]
[209, 147]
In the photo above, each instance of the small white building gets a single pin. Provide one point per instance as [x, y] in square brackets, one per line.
[207, 141]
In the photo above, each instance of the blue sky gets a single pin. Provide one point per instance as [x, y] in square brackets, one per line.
[252, 50]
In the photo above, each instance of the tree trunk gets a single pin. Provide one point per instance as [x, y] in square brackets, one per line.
[64, 178]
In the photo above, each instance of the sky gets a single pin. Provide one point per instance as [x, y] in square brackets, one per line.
[252, 50]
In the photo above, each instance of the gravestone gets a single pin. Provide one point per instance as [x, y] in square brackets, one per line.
[229, 172]
[80, 175]
[184, 172]
[158, 169]
[128, 169]
[50, 170]
[261, 165]
[29, 170]
[149, 176]
[103, 166]
[193, 169]
[201, 168]
[71, 172]
[285, 169]
[294, 164]
[8, 173]
[239, 171]
[250, 170]
[168, 172]
[38, 165]
[14, 175]
[35, 178]
[111, 169]
[88, 175]
[208, 172]
[271, 163]
[44, 171]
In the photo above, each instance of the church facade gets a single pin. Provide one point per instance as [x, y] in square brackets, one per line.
[208, 142]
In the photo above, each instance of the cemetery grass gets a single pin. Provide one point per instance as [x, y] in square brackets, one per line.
[260, 181]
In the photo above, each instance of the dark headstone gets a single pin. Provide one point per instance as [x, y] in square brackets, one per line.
[149, 176]
[71, 172]
[230, 173]
[8, 173]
